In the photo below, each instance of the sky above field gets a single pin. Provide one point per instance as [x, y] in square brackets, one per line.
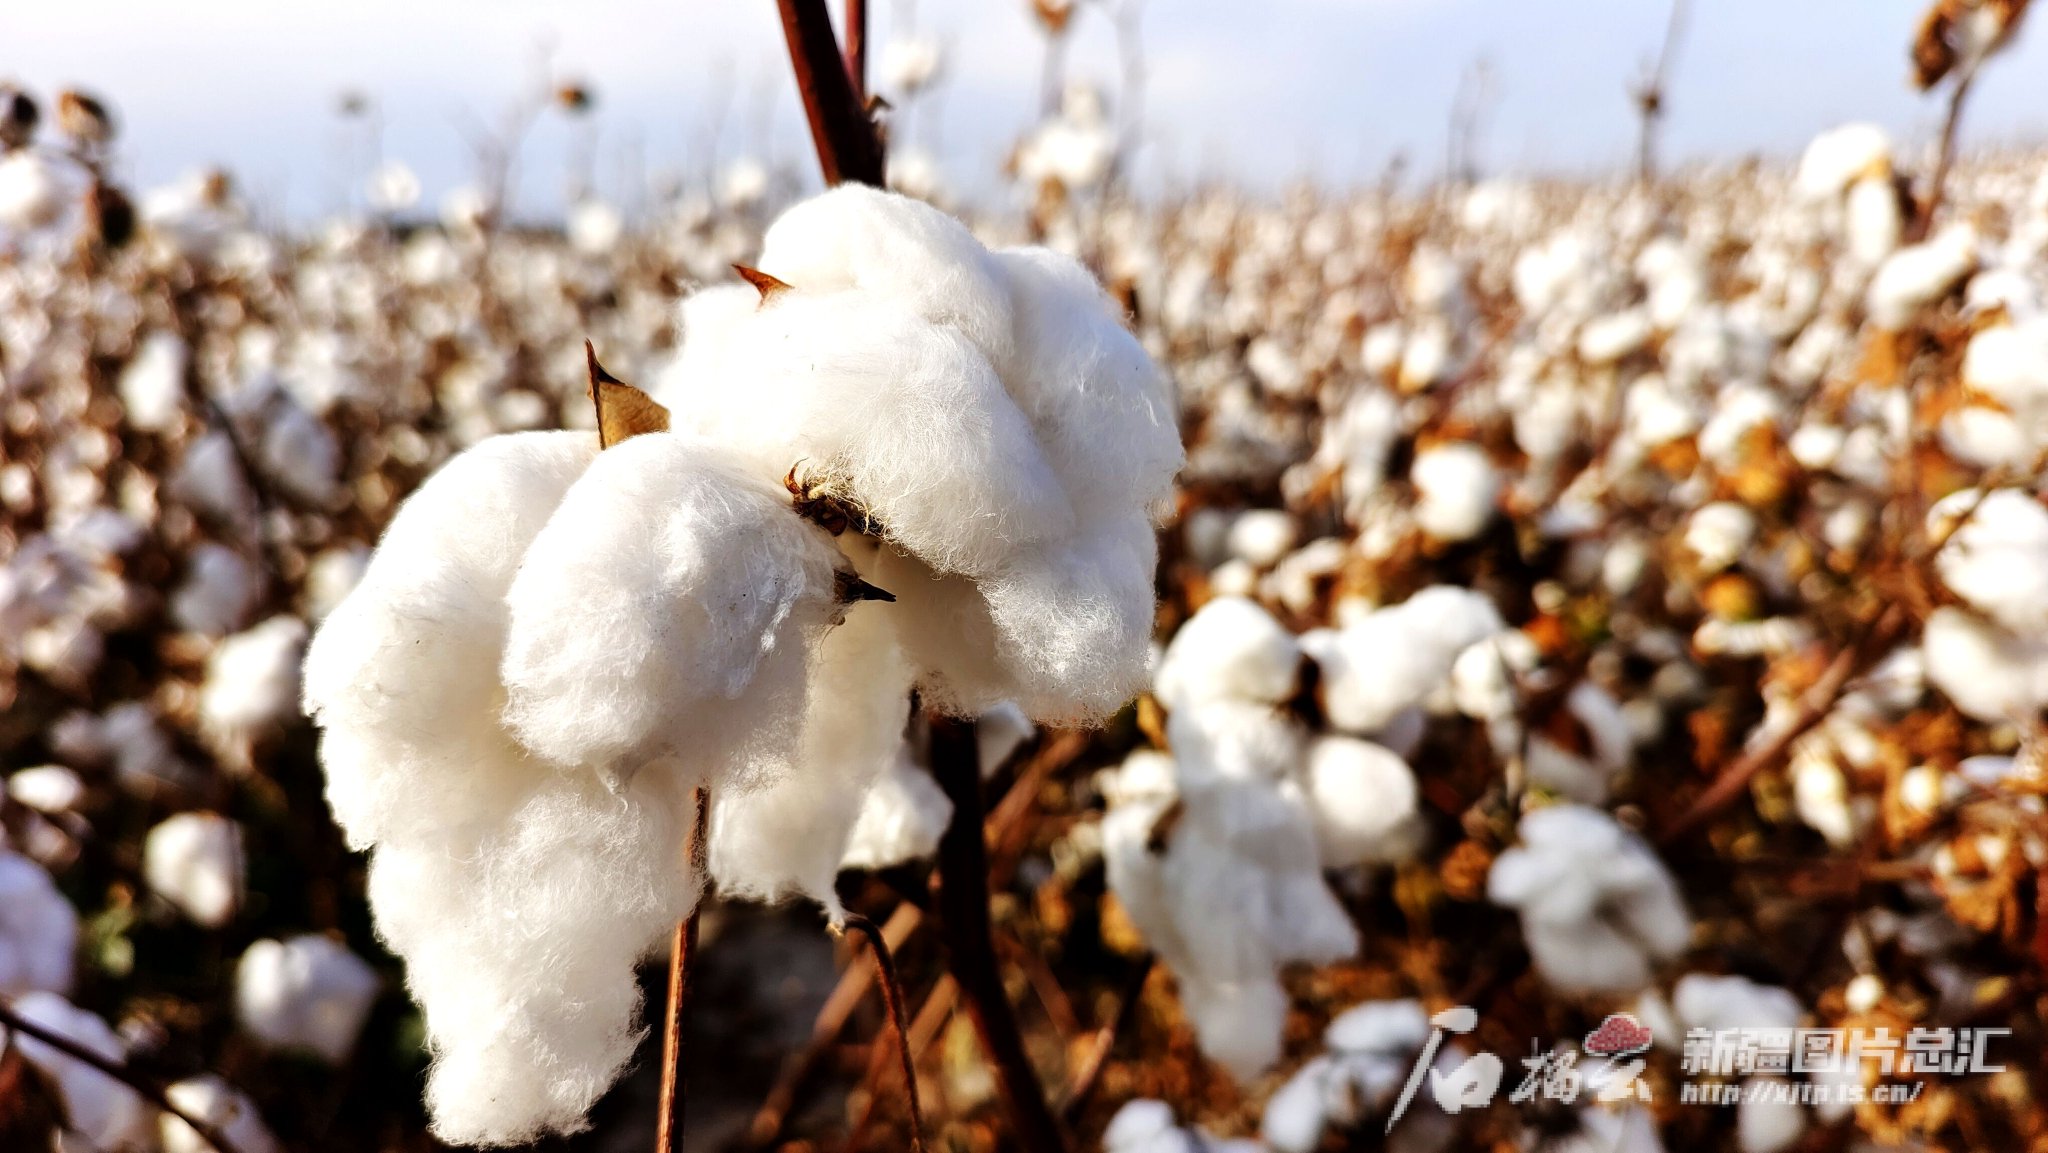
[1261, 93]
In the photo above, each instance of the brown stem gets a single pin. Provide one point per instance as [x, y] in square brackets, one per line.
[892, 994]
[963, 901]
[149, 1089]
[1950, 129]
[849, 149]
[1082, 1084]
[1649, 96]
[668, 1125]
[857, 48]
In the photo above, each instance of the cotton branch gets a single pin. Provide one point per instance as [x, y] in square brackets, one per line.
[668, 1125]
[150, 1090]
[1649, 92]
[849, 147]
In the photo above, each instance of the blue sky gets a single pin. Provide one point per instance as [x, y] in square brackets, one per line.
[1257, 92]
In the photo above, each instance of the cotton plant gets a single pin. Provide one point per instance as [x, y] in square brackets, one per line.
[105, 1112]
[894, 460]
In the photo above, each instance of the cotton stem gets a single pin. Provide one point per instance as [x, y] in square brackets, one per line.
[892, 994]
[668, 1127]
[150, 1091]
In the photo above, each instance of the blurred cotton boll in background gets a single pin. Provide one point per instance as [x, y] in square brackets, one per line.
[306, 994]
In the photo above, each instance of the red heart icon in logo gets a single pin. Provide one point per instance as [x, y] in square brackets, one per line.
[1618, 1036]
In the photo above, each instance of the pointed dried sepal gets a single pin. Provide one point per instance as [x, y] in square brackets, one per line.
[769, 287]
[623, 412]
[851, 589]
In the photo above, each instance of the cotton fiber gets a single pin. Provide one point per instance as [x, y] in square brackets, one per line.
[1598, 908]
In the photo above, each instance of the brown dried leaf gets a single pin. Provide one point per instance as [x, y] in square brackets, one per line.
[623, 412]
[768, 286]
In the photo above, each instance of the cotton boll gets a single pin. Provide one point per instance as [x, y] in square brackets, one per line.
[1611, 338]
[210, 478]
[307, 993]
[31, 191]
[595, 227]
[1997, 558]
[1364, 801]
[227, 1109]
[1840, 155]
[1231, 648]
[1916, 276]
[194, 861]
[1873, 220]
[332, 575]
[665, 613]
[900, 821]
[1597, 906]
[909, 63]
[1297, 1112]
[219, 590]
[791, 835]
[1072, 625]
[102, 1110]
[38, 929]
[1820, 795]
[1719, 533]
[1704, 1001]
[402, 676]
[1583, 777]
[252, 682]
[1485, 675]
[152, 386]
[301, 453]
[1262, 536]
[46, 789]
[1988, 673]
[1458, 488]
[1144, 1126]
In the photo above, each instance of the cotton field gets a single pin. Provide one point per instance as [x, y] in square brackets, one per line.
[1510, 664]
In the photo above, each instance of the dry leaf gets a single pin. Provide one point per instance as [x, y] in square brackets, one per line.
[623, 412]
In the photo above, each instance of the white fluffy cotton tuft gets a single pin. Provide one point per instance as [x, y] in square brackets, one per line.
[308, 994]
[38, 929]
[1598, 908]
[194, 861]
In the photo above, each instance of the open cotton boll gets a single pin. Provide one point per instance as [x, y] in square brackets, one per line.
[1873, 219]
[1239, 1025]
[1703, 1001]
[307, 993]
[38, 929]
[1484, 678]
[791, 835]
[301, 453]
[1764, 1123]
[32, 194]
[403, 676]
[900, 821]
[152, 386]
[523, 954]
[665, 613]
[46, 789]
[209, 477]
[1997, 558]
[227, 1109]
[194, 861]
[1841, 155]
[1919, 274]
[1459, 490]
[1719, 533]
[1262, 536]
[1145, 1126]
[1072, 625]
[1583, 776]
[1990, 674]
[1231, 649]
[108, 1114]
[1390, 660]
[252, 683]
[1598, 907]
[219, 590]
[1364, 801]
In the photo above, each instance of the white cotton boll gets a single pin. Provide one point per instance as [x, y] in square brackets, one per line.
[252, 681]
[466, 210]
[1873, 220]
[1232, 649]
[1262, 536]
[1820, 795]
[392, 187]
[219, 590]
[104, 1111]
[665, 613]
[227, 1109]
[31, 191]
[1000, 732]
[1841, 155]
[1653, 414]
[1364, 800]
[1205, 534]
[909, 63]
[1988, 673]
[1072, 626]
[194, 861]
[1816, 446]
[152, 386]
[1277, 370]
[331, 576]
[1997, 559]
[1426, 357]
[209, 477]
[1740, 407]
[1920, 274]
[791, 835]
[1611, 338]
[1598, 907]
[38, 929]
[1719, 533]
[595, 227]
[307, 993]
[1764, 1123]
[1484, 676]
[1379, 352]
[301, 453]
[1238, 1025]
[1543, 273]
[1377, 668]
[900, 821]
[1704, 1001]
[402, 676]
[1297, 1112]
[1459, 490]
[1587, 777]
[46, 788]
[2009, 364]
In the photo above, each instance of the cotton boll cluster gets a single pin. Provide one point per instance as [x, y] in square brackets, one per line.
[1369, 1050]
[1147, 1126]
[1599, 911]
[307, 994]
